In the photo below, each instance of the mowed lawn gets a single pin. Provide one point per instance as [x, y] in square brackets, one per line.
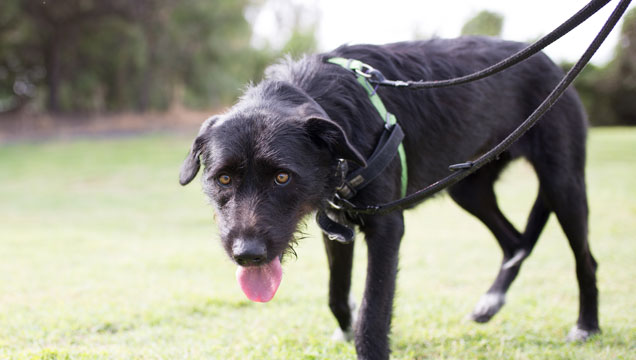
[103, 255]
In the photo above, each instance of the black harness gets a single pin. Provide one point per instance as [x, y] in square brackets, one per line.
[353, 182]
[388, 146]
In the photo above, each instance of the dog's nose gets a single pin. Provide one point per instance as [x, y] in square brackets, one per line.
[248, 252]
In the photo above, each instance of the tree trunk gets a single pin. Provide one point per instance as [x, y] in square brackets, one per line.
[147, 80]
[52, 66]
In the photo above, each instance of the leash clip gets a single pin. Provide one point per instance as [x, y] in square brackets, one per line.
[338, 203]
[341, 171]
[364, 70]
[370, 73]
[346, 189]
[333, 204]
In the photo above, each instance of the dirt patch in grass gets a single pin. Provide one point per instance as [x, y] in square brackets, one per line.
[28, 126]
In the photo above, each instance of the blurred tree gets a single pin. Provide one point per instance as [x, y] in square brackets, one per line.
[608, 92]
[207, 46]
[623, 92]
[302, 41]
[58, 25]
[484, 23]
[594, 95]
[103, 55]
[20, 69]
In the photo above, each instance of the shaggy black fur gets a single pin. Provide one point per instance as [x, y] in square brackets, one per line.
[307, 114]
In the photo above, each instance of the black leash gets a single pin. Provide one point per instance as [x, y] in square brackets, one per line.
[462, 170]
[577, 19]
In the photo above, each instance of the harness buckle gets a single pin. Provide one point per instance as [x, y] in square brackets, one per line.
[342, 169]
[346, 190]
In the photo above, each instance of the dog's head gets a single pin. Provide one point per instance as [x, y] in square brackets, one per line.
[267, 163]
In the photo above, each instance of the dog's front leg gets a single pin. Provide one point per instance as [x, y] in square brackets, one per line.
[340, 258]
[383, 236]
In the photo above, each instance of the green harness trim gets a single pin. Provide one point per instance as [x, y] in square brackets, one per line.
[358, 68]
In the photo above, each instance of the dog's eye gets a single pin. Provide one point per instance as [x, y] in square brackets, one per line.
[224, 179]
[282, 178]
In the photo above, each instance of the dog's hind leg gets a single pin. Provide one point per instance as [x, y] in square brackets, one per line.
[340, 258]
[565, 189]
[476, 195]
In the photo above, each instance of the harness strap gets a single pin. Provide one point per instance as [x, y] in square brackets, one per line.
[384, 153]
[382, 156]
[333, 229]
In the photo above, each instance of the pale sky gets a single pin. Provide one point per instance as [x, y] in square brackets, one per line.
[378, 21]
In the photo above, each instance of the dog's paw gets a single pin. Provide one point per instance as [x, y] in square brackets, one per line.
[578, 335]
[342, 336]
[354, 313]
[487, 307]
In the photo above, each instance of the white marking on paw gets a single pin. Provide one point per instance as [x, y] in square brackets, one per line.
[487, 306]
[354, 313]
[342, 336]
[346, 336]
[578, 334]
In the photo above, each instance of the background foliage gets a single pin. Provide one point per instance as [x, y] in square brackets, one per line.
[484, 23]
[120, 55]
[105, 55]
[609, 92]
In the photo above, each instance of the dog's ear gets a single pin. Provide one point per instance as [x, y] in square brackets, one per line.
[191, 164]
[328, 133]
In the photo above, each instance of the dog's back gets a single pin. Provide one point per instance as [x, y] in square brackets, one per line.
[471, 118]
[444, 126]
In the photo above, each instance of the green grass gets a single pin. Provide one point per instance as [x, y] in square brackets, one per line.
[104, 256]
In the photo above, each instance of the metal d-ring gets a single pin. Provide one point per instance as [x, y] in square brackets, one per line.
[365, 71]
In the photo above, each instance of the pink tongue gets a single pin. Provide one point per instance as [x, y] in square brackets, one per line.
[259, 283]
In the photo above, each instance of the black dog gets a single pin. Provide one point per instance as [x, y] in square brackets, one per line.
[273, 158]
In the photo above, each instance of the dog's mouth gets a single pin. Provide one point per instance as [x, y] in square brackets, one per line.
[260, 283]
